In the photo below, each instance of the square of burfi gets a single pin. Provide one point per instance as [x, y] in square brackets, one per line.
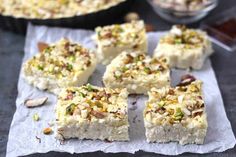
[60, 65]
[184, 47]
[176, 114]
[91, 112]
[112, 40]
[137, 72]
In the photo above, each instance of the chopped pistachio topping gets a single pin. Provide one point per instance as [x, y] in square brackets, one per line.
[90, 88]
[70, 109]
[181, 35]
[173, 105]
[139, 64]
[178, 114]
[161, 104]
[147, 70]
[58, 60]
[119, 35]
[88, 102]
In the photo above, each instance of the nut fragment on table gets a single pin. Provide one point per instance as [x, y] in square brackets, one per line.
[131, 16]
[36, 117]
[47, 131]
[35, 102]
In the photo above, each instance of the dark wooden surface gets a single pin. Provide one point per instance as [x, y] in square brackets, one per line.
[11, 53]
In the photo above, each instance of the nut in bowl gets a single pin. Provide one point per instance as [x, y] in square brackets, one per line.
[183, 11]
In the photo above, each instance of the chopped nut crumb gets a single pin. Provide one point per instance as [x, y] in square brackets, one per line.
[47, 131]
[36, 117]
[131, 16]
[35, 102]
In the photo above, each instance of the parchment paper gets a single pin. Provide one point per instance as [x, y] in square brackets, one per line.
[23, 131]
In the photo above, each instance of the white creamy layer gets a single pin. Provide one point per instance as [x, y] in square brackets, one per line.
[176, 114]
[54, 85]
[180, 57]
[94, 130]
[106, 54]
[176, 132]
[184, 55]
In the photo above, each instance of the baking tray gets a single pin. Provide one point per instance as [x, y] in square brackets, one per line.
[87, 21]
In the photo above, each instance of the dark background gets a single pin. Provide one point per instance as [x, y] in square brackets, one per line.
[11, 53]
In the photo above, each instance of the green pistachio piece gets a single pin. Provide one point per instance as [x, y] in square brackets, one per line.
[70, 109]
[69, 67]
[98, 104]
[136, 59]
[40, 67]
[147, 70]
[36, 117]
[48, 50]
[178, 117]
[124, 69]
[72, 58]
[90, 88]
[117, 76]
[178, 41]
[82, 94]
[51, 69]
[178, 114]
[161, 104]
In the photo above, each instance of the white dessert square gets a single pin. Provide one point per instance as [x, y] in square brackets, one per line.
[136, 72]
[91, 112]
[176, 114]
[60, 65]
[184, 48]
[112, 40]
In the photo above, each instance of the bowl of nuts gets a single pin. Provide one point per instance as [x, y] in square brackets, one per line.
[183, 11]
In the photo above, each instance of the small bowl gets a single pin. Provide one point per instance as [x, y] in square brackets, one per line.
[175, 12]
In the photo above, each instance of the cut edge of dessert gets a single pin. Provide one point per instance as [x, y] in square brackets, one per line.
[111, 40]
[176, 114]
[137, 72]
[184, 47]
[62, 64]
[91, 112]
